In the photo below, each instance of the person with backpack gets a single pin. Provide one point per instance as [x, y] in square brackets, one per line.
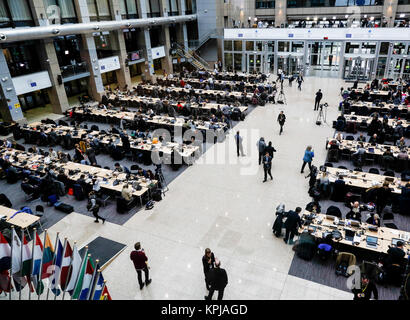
[261, 148]
[278, 224]
[94, 207]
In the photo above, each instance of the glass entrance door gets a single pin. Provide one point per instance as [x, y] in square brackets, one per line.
[291, 63]
[254, 63]
[324, 58]
[396, 68]
[358, 68]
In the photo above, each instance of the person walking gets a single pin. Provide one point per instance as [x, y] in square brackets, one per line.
[319, 96]
[300, 80]
[239, 147]
[281, 120]
[292, 223]
[94, 207]
[278, 224]
[267, 166]
[218, 280]
[139, 259]
[307, 158]
[208, 262]
[261, 148]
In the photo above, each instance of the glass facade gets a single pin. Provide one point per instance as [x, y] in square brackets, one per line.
[60, 11]
[104, 45]
[332, 3]
[173, 9]
[99, 10]
[153, 8]
[264, 4]
[129, 9]
[22, 58]
[15, 13]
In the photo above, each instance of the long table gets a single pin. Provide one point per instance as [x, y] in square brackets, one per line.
[139, 144]
[107, 177]
[378, 149]
[145, 100]
[382, 94]
[388, 107]
[363, 180]
[385, 235]
[368, 120]
[22, 220]
[159, 121]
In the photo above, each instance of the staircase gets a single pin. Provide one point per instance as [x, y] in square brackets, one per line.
[192, 58]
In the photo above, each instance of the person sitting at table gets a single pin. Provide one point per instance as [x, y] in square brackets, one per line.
[78, 156]
[373, 139]
[142, 173]
[387, 159]
[398, 132]
[354, 213]
[374, 220]
[30, 189]
[401, 143]
[113, 130]
[361, 138]
[120, 168]
[359, 152]
[374, 126]
[403, 155]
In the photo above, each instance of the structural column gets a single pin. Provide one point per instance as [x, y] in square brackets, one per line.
[389, 11]
[166, 62]
[123, 74]
[280, 12]
[10, 108]
[89, 52]
[144, 37]
[182, 32]
[49, 60]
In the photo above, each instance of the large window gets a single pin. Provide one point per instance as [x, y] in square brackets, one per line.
[68, 50]
[15, 13]
[129, 9]
[153, 8]
[190, 6]
[99, 10]
[264, 4]
[332, 3]
[173, 7]
[105, 47]
[60, 11]
[22, 58]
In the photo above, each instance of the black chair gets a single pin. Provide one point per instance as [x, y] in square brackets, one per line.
[342, 167]
[389, 173]
[388, 216]
[134, 168]
[333, 155]
[4, 201]
[329, 164]
[78, 192]
[374, 170]
[123, 206]
[358, 169]
[39, 210]
[390, 225]
[351, 138]
[334, 211]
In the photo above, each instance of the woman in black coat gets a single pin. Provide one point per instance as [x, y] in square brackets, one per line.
[278, 224]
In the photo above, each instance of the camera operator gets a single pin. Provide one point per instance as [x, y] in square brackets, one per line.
[319, 96]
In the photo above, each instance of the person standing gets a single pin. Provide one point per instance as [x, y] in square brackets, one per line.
[270, 149]
[300, 80]
[218, 279]
[367, 287]
[267, 166]
[90, 152]
[139, 259]
[307, 158]
[261, 148]
[278, 224]
[208, 262]
[94, 207]
[239, 147]
[281, 120]
[292, 223]
[319, 96]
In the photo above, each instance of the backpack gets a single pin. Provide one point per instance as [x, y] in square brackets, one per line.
[149, 205]
[341, 269]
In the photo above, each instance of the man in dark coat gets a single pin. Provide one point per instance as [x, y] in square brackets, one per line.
[218, 279]
[292, 223]
[208, 262]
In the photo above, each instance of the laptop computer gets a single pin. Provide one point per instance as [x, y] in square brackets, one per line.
[371, 150]
[395, 240]
[349, 234]
[371, 242]
[354, 223]
[329, 217]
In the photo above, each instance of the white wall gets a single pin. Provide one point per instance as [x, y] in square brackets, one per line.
[31, 82]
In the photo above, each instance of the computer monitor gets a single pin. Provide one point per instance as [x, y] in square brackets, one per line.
[349, 234]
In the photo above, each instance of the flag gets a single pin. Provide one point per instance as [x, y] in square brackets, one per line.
[37, 254]
[105, 291]
[57, 269]
[5, 254]
[87, 281]
[48, 255]
[16, 253]
[25, 269]
[4, 281]
[65, 266]
[75, 269]
[98, 288]
[84, 280]
[94, 281]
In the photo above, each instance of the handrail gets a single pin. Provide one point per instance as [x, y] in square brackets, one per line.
[193, 55]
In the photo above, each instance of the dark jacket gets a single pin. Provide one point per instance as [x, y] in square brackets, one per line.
[293, 220]
[371, 287]
[395, 256]
[270, 150]
[218, 279]
[139, 258]
[208, 266]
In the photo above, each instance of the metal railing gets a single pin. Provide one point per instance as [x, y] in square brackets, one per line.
[214, 33]
[74, 69]
[197, 61]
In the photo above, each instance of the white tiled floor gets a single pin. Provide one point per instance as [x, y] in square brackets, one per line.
[226, 207]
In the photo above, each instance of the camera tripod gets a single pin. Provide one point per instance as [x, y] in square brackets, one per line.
[161, 179]
[281, 97]
[321, 115]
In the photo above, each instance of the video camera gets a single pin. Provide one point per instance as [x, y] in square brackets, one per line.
[323, 105]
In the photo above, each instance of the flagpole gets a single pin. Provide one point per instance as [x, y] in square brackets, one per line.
[69, 270]
[54, 259]
[102, 289]
[11, 262]
[92, 279]
[59, 274]
[81, 267]
[21, 260]
[32, 260]
[105, 296]
[94, 284]
[41, 266]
